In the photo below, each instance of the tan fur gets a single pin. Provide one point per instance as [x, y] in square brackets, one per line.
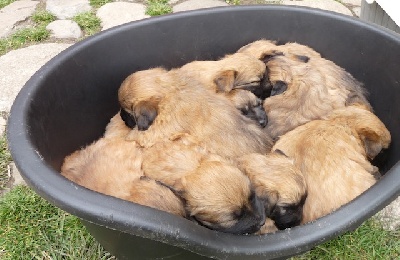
[192, 109]
[268, 227]
[260, 48]
[212, 187]
[275, 178]
[314, 88]
[333, 157]
[112, 166]
[248, 71]
[236, 71]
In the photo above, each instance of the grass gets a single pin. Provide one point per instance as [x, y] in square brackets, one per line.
[5, 160]
[5, 2]
[99, 3]
[369, 241]
[31, 228]
[158, 7]
[233, 2]
[32, 34]
[42, 17]
[89, 22]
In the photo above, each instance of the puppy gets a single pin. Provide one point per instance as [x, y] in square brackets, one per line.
[305, 86]
[333, 155]
[112, 166]
[249, 72]
[190, 108]
[279, 184]
[234, 72]
[216, 193]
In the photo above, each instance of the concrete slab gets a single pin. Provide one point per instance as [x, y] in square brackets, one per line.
[17, 66]
[389, 217]
[117, 13]
[195, 4]
[329, 5]
[65, 9]
[14, 13]
[64, 29]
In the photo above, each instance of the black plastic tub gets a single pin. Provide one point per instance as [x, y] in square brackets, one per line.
[68, 102]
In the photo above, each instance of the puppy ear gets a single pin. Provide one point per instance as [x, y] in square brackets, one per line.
[267, 56]
[145, 113]
[225, 80]
[373, 134]
[128, 119]
[302, 58]
[278, 88]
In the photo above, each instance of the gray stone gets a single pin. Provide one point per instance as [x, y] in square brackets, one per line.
[17, 66]
[390, 216]
[357, 11]
[3, 124]
[16, 175]
[172, 2]
[13, 13]
[351, 2]
[194, 4]
[65, 9]
[330, 5]
[117, 13]
[64, 29]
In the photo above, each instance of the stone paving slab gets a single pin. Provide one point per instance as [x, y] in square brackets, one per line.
[17, 66]
[14, 13]
[64, 29]
[329, 5]
[65, 9]
[195, 4]
[117, 13]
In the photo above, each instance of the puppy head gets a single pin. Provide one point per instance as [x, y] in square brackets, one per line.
[279, 184]
[372, 132]
[248, 74]
[250, 106]
[151, 193]
[305, 91]
[220, 197]
[139, 96]
[261, 48]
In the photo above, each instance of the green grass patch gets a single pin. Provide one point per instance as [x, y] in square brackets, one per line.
[43, 17]
[23, 37]
[5, 159]
[32, 34]
[233, 2]
[158, 7]
[369, 241]
[99, 3]
[5, 2]
[31, 228]
[89, 22]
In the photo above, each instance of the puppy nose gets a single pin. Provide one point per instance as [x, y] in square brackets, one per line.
[261, 116]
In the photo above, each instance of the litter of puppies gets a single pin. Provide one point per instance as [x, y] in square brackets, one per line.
[268, 138]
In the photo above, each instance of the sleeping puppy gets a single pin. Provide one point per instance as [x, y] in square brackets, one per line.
[249, 73]
[260, 48]
[333, 154]
[233, 72]
[216, 193]
[280, 186]
[188, 107]
[305, 86]
[112, 166]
